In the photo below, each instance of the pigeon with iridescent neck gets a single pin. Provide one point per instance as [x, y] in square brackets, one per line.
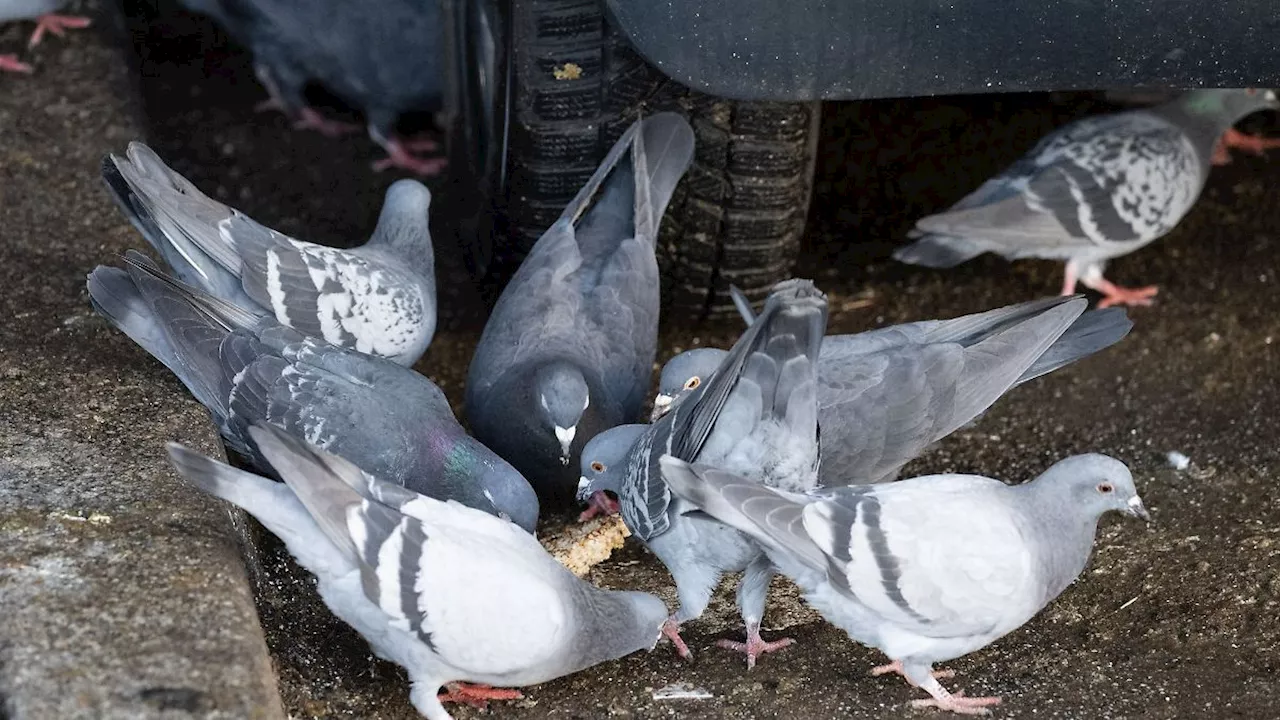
[379, 298]
[1095, 190]
[926, 569]
[568, 351]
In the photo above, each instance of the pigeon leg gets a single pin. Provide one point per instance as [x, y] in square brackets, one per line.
[921, 675]
[1254, 144]
[11, 63]
[56, 25]
[1069, 276]
[599, 504]
[399, 156]
[671, 629]
[1221, 156]
[752, 592]
[755, 646]
[896, 667]
[477, 696]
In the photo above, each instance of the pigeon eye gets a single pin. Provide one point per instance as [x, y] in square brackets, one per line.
[1105, 488]
[597, 466]
[692, 383]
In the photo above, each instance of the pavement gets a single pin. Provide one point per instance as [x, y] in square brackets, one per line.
[1173, 619]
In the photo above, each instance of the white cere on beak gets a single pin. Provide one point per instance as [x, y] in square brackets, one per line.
[565, 436]
[1137, 508]
[1270, 95]
[583, 483]
[661, 404]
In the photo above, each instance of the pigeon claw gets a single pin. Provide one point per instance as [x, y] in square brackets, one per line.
[11, 63]
[1117, 295]
[1253, 144]
[599, 504]
[755, 646]
[400, 156]
[56, 25]
[309, 119]
[671, 630]
[958, 703]
[477, 696]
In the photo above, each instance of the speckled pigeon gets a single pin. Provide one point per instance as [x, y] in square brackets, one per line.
[379, 298]
[446, 592]
[568, 351]
[247, 369]
[885, 396]
[758, 416]
[44, 12]
[927, 569]
[1096, 189]
[386, 58]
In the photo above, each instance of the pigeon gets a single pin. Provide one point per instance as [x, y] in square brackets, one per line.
[887, 395]
[1096, 189]
[379, 298]
[926, 569]
[569, 349]
[445, 591]
[246, 369]
[44, 12]
[385, 58]
[757, 415]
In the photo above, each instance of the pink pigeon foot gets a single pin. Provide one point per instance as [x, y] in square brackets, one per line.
[309, 119]
[599, 504]
[755, 646]
[477, 696]
[56, 25]
[671, 629]
[953, 702]
[1116, 295]
[896, 667]
[400, 156]
[11, 63]
[1255, 144]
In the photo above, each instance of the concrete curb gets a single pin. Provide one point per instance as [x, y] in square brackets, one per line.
[123, 592]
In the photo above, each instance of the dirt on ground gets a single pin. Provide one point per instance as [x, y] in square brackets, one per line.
[1173, 619]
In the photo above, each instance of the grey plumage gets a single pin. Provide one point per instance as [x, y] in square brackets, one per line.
[246, 369]
[926, 569]
[379, 298]
[569, 348]
[885, 396]
[447, 592]
[756, 415]
[1094, 190]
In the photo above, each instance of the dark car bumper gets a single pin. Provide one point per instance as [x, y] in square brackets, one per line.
[798, 50]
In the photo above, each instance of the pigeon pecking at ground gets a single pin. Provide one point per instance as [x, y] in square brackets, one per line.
[446, 592]
[887, 395]
[44, 12]
[247, 369]
[385, 58]
[568, 350]
[379, 298]
[757, 416]
[927, 569]
[1094, 190]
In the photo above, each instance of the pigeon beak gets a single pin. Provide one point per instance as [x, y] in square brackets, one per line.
[584, 489]
[1137, 509]
[565, 436]
[661, 404]
[1270, 96]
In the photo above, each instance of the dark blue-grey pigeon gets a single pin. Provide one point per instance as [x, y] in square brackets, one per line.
[447, 592]
[48, 21]
[568, 351]
[926, 569]
[757, 416]
[385, 58]
[247, 369]
[887, 395]
[1094, 190]
[379, 298]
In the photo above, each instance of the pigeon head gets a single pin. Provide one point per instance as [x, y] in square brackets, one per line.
[1097, 484]
[618, 623]
[404, 225]
[604, 460]
[510, 494]
[683, 374]
[1229, 105]
[564, 402]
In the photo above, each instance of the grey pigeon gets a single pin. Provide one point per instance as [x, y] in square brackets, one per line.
[446, 592]
[887, 395]
[379, 298]
[385, 58]
[568, 351]
[44, 12]
[247, 370]
[926, 569]
[757, 416]
[1094, 190]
